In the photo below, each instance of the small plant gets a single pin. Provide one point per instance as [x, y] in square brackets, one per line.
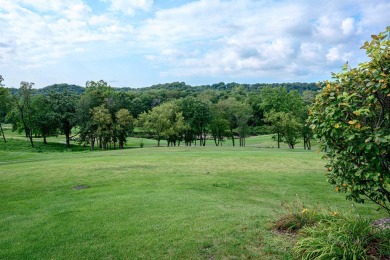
[141, 143]
[297, 216]
[343, 237]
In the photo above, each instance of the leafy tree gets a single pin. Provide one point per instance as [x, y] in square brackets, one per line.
[24, 111]
[44, 120]
[291, 129]
[125, 125]
[64, 106]
[286, 126]
[242, 115]
[103, 120]
[198, 115]
[237, 114]
[4, 105]
[86, 127]
[276, 124]
[219, 128]
[282, 108]
[97, 93]
[164, 121]
[351, 117]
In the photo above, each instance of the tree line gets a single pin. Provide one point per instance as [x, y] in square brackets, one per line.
[102, 116]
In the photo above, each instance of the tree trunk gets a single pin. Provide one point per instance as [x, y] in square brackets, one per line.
[67, 137]
[278, 140]
[31, 138]
[233, 139]
[92, 143]
[44, 135]
[2, 132]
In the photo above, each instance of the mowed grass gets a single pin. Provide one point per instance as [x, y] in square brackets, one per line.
[156, 203]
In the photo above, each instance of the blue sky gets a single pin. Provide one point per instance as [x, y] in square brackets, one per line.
[137, 43]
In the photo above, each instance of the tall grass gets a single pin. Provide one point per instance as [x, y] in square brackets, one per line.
[344, 236]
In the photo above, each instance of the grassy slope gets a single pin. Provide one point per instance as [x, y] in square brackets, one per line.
[194, 202]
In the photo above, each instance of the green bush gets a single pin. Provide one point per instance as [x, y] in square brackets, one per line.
[351, 119]
[343, 237]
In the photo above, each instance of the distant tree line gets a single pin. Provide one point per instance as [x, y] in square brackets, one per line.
[102, 116]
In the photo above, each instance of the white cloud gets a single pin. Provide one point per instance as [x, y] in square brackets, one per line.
[256, 37]
[337, 54]
[34, 38]
[348, 26]
[291, 39]
[310, 51]
[129, 7]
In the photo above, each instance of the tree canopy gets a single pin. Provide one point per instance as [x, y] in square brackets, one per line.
[102, 115]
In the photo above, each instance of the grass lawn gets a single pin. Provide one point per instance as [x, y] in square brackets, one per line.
[155, 203]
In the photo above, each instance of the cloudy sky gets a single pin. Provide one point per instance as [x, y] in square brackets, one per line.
[137, 43]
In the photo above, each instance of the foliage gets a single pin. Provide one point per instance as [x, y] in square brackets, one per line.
[219, 129]
[286, 126]
[237, 114]
[343, 237]
[60, 88]
[164, 121]
[351, 116]
[5, 107]
[125, 125]
[206, 109]
[64, 105]
[297, 215]
[23, 109]
[44, 119]
[286, 113]
[198, 116]
[103, 120]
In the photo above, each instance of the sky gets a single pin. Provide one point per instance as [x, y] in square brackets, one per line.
[138, 43]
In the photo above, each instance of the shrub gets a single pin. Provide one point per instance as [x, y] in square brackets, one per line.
[351, 118]
[343, 237]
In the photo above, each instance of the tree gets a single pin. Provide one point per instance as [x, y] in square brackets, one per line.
[275, 120]
[64, 106]
[86, 127]
[237, 114]
[242, 115]
[24, 111]
[281, 109]
[286, 126]
[198, 115]
[291, 129]
[219, 129]
[351, 117]
[44, 120]
[4, 105]
[164, 121]
[103, 120]
[125, 125]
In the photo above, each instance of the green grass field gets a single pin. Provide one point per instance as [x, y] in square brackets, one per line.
[155, 202]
